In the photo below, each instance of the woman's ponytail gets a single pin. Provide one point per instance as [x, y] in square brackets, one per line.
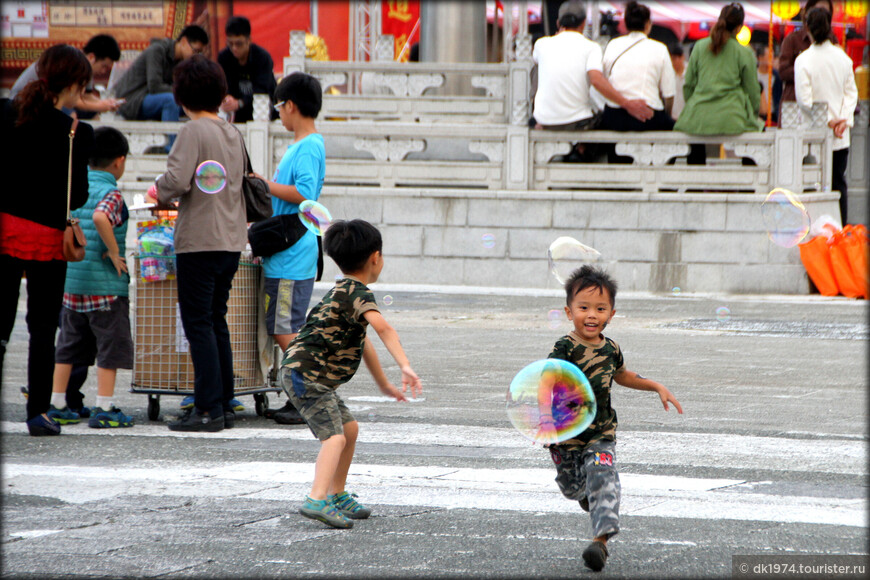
[730, 19]
[60, 66]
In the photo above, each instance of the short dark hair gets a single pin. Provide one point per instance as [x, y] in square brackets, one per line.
[590, 277]
[819, 24]
[109, 144]
[194, 33]
[103, 46]
[199, 84]
[570, 21]
[238, 26]
[636, 16]
[675, 49]
[303, 90]
[351, 243]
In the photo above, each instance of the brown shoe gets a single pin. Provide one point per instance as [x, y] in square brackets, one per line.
[595, 555]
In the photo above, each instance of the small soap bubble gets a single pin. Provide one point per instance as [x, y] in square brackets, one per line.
[676, 290]
[488, 240]
[723, 314]
[338, 277]
[785, 218]
[554, 318]
[210, 176]
[567, 397]
[315, 216]
[817, 186]
[567, 254]
[388, 300]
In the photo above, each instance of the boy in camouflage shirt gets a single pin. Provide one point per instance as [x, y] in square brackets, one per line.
[586, 464]
[326, 353]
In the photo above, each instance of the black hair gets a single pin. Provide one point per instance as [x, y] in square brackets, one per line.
[590, 277]
[303, 90]
[675, 49]
[61, 66]
[103, 46]
[351, 243]
[730, 19]
[636, 16]
[194, 33]
[570, 21]
[819, 25]
[238, 26]
[109, 144]
[812, 3]
[199, 84]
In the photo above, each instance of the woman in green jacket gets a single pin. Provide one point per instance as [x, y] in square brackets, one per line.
[721, 90]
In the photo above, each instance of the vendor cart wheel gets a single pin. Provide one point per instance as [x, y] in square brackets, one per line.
[261, 403]
[153, 407]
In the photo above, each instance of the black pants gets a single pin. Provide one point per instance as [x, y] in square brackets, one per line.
[44, 299]
[204, 282]
[617, 119]
[838, 179]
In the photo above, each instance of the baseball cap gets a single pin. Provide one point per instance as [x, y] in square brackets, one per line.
[573, 8]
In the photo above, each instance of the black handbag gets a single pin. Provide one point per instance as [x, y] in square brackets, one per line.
[258, 200]
[277, 233]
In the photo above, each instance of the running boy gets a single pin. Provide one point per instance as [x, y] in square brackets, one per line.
[95, 320]
[586, 464]
[327, 353]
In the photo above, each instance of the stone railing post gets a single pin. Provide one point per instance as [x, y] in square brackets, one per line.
[257, 140]
[296, 61]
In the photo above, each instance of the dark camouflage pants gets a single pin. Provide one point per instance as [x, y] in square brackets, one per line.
[589, 475]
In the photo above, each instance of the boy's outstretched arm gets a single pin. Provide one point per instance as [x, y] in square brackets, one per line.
[390, 338]
[632, 380]
[373, 363]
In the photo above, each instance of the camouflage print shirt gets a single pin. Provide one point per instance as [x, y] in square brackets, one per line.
[599, 362]
[329, 346]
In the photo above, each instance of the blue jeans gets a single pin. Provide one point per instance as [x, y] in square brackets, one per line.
[160, 106]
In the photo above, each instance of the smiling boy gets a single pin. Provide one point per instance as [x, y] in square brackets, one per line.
[586, 464]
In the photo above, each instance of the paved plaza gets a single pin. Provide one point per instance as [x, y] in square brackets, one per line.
[770, 456]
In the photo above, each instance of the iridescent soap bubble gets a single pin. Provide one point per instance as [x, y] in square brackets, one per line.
[555, 387]
[388, 300]
[785, 218]
[488, 240]
[567, 254]
[554, 318]
[210, 176]
[676, 290]
[723, 314]
[315, 216]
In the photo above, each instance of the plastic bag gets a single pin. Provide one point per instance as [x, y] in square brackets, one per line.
[156, 240]
[816, 258]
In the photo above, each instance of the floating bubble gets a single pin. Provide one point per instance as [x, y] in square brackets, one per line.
[555, 318]
[555, 387]
[388, 300]
[315, 216]
[488, 240]
[338, 277]
[676, 290]
[567, 254]
[210, 176]
[785, 218]
[723, 314]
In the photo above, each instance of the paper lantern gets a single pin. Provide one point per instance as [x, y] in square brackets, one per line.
[786, 9]
[855, 9]
[744, 35]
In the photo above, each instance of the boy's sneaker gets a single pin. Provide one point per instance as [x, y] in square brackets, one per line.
[187, 402]
[103, 419]
[194, 421]
[348, 506]
[84, 412]
[322, 510]
[595, 555]
[42, 425]
[236, 405]
[63, 416]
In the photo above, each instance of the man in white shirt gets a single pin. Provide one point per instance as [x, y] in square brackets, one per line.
[823, 73]
[567, 64]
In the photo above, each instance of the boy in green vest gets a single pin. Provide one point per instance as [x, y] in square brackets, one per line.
[95, 319]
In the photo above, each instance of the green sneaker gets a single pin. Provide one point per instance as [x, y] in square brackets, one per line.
[103, 419]
[325, 512]
[63, 416]
[348, 506]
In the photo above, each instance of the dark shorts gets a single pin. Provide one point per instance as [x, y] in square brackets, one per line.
[287, 304]
[321, 407]
[103, 335]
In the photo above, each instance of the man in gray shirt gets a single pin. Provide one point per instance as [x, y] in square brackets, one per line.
[147, 85]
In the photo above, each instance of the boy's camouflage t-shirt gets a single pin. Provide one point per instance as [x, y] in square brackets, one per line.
[329, 346]
[599, 364]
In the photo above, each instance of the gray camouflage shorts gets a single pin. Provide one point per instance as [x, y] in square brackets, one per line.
[321, 407]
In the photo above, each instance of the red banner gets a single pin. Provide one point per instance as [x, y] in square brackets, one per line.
[401, 18]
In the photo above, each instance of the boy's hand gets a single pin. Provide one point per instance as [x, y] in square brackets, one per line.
[667, 397]
[151, 195]
[409, 377]
[547, 432]
[119, 262]
[391, 391]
